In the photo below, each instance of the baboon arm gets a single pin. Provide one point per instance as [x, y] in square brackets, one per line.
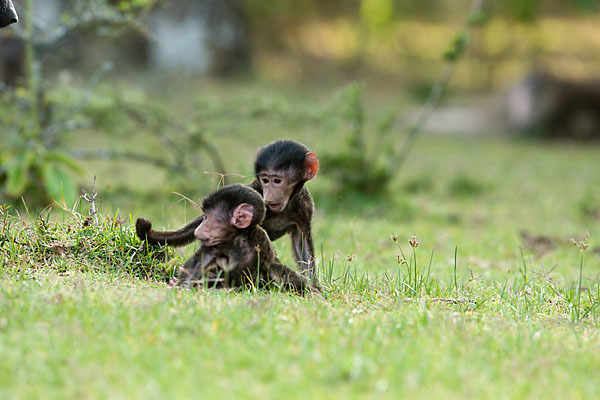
[305, 253]
[179, 237]
[192, 271]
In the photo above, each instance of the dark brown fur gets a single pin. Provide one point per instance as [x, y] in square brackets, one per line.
[179, 237]
[296, 219]
[238, 263]
[243, 257]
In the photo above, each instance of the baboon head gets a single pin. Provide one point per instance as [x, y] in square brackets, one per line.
[228, 210]
[282, 168]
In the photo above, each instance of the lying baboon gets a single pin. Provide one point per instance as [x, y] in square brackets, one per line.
[235, 250]
[281, 169]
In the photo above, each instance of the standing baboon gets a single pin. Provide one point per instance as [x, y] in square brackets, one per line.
[281, 169]
[235, 250]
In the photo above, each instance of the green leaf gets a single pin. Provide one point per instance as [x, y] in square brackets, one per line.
[18, 174]
[457, 47]
[478, 19]
[59, 184]
[61, 158]
[524, 10]
[377, 12]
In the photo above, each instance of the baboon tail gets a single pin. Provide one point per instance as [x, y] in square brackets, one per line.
[179, 237]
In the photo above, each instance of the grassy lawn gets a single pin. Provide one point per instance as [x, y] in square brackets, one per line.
[503, 318]
[89, 335]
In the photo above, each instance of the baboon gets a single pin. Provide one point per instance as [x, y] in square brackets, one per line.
[8, 14]
[281, 170]
[555, 107]
[235, 250]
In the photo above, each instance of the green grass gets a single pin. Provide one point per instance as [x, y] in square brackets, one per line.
[85, 312]
[90, 335]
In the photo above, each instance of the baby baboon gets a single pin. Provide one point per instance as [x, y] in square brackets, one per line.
[282, 168]
[8, 15]
[235, 250]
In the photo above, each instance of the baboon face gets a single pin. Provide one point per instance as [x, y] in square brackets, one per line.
[281, 167]
[277, 188]
[218, 227]
[213, 230]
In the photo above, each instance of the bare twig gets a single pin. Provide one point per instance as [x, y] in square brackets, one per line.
[120, 155]
[91, 198]
[179, 149]
[213, 153]
[222, 177]
[70, 123]
[183, 197]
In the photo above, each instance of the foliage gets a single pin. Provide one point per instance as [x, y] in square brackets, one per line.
[494, 327]
[589, 205]
[28, 166]
[465, 186]
[112, 247]
[523, 289]
[36, 163]
[376, 13]
[382, 13]
[182, 144]
[357, 170]
[77, 244]
[33, 162]
[121, 333]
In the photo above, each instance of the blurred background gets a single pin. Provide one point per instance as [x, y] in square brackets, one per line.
[147, 96]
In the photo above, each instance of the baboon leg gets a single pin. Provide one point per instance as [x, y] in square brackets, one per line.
[304, 252]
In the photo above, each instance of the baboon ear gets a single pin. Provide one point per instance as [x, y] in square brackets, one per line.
[242, 216]
[311, 165]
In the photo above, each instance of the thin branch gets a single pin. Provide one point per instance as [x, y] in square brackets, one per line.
[91, 198]
[120, 155]
[213, 153]
[223, 181]
[434, 96]
[180, 150]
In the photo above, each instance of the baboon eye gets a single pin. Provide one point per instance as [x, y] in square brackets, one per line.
[277, 180]
[265, 180]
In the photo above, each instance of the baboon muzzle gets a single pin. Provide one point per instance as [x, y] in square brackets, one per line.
[8, 15]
